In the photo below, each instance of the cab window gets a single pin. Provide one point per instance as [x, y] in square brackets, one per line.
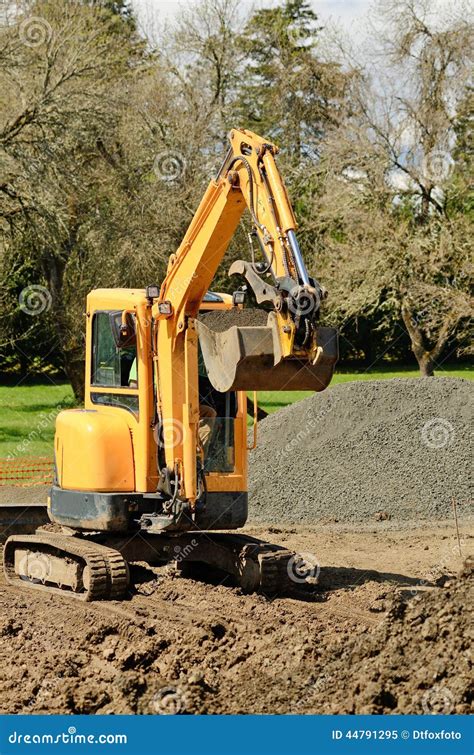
[112, 365]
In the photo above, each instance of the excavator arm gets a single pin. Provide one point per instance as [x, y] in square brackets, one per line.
[290, 352]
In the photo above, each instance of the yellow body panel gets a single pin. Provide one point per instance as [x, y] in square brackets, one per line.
[144, 446]
[94, 451]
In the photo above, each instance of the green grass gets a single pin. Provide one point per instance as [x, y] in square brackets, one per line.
[27, 418]
[28, 411]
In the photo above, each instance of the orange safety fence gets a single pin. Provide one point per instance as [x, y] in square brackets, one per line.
[26, 472]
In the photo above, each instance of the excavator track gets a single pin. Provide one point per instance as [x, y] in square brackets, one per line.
[65, 565]
[274, 566]
[274, 570]
[118, 572]
[255, 565]
[80, 567]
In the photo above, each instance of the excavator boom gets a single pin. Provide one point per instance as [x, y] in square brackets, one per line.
[289, 352]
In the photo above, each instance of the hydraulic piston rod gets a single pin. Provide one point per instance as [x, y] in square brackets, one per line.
[298, 257]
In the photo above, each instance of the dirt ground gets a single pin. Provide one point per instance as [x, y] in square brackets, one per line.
[385, 631]
[30, 494]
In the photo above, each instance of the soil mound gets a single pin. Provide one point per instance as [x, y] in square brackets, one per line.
[417, 660]
[366, 642]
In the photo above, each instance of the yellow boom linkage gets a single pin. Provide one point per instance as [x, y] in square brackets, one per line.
[290, 352]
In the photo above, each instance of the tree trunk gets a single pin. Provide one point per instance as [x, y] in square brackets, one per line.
[364, 331]
[418, 346]
[425, 207]
[425, 356]
[426, 365]
[74, 369]
[72, 354]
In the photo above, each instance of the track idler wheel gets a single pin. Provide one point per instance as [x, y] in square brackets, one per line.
[255, 565]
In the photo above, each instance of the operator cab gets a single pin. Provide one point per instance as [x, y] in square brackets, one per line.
[114, 366]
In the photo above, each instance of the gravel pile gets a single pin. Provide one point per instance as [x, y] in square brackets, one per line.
[398, 449]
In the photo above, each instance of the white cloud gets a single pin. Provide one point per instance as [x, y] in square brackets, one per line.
[351, 15]
[345, 12]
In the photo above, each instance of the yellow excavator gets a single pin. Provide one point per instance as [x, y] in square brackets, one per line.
[155, 464]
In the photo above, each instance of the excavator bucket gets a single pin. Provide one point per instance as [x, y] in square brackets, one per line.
[245, 358]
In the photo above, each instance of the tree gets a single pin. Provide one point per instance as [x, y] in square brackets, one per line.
[106, 147]
[205, 59]
[415, 125]
[394, 244]
[62, 62]
[288, 91]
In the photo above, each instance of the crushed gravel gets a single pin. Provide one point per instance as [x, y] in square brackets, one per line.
[222, 319]
[389, 449]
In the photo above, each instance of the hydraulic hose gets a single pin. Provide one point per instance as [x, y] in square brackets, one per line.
[248, 167]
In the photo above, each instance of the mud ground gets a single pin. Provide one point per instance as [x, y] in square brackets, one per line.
[385, 631]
